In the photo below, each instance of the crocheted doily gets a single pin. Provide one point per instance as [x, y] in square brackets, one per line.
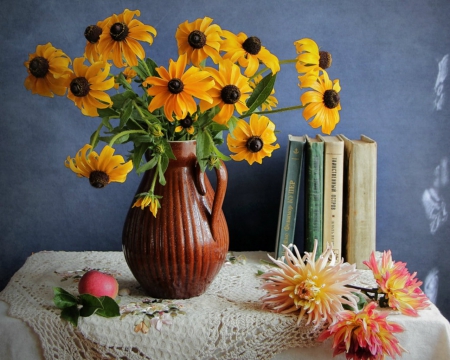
[226, 322]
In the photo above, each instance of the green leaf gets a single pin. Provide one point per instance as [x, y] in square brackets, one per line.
[120, 99]
[71, 314]
[148, 165]
[109, 307]
[90, 305]
[232, 123]
[261, 92]
[63, 299]
[126, 113]
[107, 113]
[162, 166]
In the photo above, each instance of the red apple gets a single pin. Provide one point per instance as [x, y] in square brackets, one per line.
[98, 284]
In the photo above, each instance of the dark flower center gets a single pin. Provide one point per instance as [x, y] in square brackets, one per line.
[254, 144]
[79, 87]
[92, 33]
[175, 86]
[39, 67]
[187, 122]
[331, 99]
[252, 45]
[230, 94]
[119, 31]
[325, 59]
[98, 179]
[197, 39]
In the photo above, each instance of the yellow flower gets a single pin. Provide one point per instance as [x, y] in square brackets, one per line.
[230, 91]
[175, 89]
[249, 52]
[199, 39]
[120, 38]
[92, 34]
[310, 61]
[323, 102]
[150, 200]
[47, 68]
[87, 86]
[186, 124]
[253, 142]
[271, 101]
[315, 288]
[129, 75]
[100, 170]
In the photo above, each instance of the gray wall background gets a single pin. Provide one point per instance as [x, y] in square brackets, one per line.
[391, 59]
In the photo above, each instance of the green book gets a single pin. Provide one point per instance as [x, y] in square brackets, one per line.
[290, 193]
[314, 194]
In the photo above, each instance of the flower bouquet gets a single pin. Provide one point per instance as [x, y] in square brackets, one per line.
[217, 82]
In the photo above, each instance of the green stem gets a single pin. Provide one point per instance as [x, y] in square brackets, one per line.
[122, 133]
[97, 133]
[290, 108]
[282, 62]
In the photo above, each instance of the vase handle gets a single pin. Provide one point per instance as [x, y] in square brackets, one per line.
[221, 188]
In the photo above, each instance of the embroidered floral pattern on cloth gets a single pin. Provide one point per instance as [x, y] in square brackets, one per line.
[227, 320]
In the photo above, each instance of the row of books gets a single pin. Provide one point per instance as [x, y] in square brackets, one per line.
[339, 178]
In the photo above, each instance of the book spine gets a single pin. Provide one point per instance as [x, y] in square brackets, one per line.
[290, 195]
[359, 222]
[314, 196]
[333, 196]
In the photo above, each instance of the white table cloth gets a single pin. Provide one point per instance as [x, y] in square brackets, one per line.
[227, 322]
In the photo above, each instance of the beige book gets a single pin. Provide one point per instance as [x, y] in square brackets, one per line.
[360, 183]
[333, 176]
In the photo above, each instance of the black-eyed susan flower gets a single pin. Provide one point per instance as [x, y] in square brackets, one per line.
[310, 61]
[92, 34]
[271, 101]
[323, 102]
[120, 38]
[87, 86]
[186, 124]
[253, 141]
[148, 200]
[48, 68]
[249, 52]
[99, 169]
[199, 39]
[230, 91]
[176, 88]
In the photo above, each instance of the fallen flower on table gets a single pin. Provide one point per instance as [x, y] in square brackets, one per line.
[401, 290]
[314, 288]
[365, 335]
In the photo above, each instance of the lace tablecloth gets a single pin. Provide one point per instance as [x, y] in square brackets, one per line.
[227, 322]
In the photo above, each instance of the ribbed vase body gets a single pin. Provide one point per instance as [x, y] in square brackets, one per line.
[177, 254]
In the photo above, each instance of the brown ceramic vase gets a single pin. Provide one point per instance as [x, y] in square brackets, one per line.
[177, 254]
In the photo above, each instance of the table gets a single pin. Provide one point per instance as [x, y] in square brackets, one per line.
[227, 322]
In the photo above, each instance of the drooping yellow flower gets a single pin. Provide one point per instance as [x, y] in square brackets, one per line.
[271, 101]
[230, 91]
[100, 170]
[199, 39]
[400, 287]
[253, 141]
[87, 86]
[310, 61]
[187, 124]
[322, 102]
[314, 288]
[249, 52]
[120, 38]
[129, 75]
[148, 200]
[366, 335]
[47, 69]
[92, 34]
[175, 89]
